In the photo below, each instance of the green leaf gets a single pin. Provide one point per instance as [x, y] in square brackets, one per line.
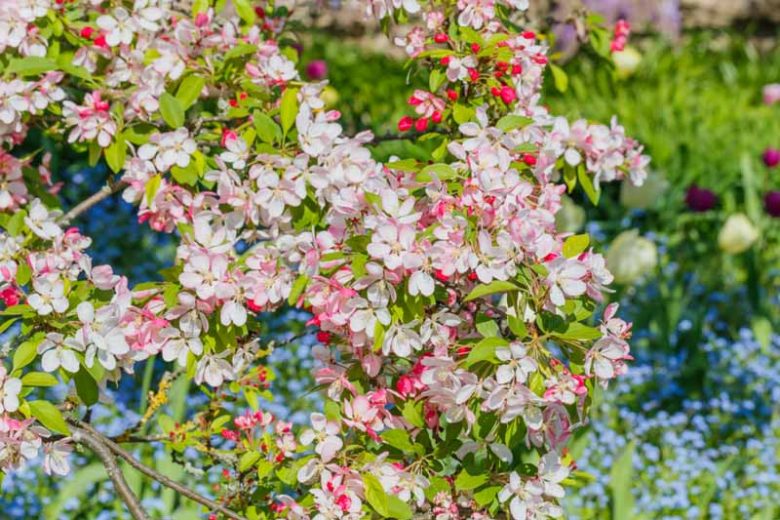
[248, 460]
[86, 387]
[435, 80]
[442, 172]
[485, 496]
[375, 495]
[494, 287]
[7, 324]
[560, 78]
[288, 108]
[580, 332]
[151, 188]
[466, 481]
[462, 114]
[189, 90]
[31, 66]
[25, 354]
[485, 350]
[49, 416]
[575, 245]
[267, 129]
[587, 185]
[513, 122]
[15, 224]
[140, 133]
[171, 110]
[297, 289]
[398, 438]
[245, 10]
[397, 508]
[116, 154]
[23, 273]
[39, 379]
[412, 412]
[188, 175]
[621, 481]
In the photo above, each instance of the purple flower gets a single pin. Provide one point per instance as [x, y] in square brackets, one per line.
[317, 70]
[772, 203]
[700, 199]
[771, 157]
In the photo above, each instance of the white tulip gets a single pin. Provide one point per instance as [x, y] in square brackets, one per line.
[737, 234]
[631, 257]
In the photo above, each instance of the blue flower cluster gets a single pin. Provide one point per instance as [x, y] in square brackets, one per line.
[714, 455]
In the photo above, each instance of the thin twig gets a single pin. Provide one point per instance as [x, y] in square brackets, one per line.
[104, 192]
[159, 477]
[94, 442]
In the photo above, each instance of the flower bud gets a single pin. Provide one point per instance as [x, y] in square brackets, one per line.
[644, 196]
[737, 234]
[772, 203]
[405, 124]
[630, 257]
[700, 199]
[317, 70]
[771, 157]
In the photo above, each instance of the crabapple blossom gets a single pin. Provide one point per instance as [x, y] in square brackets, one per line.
[450, 313]
[9, 391]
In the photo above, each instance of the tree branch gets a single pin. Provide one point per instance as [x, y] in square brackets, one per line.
[104, 192]
[93, 442]
[159, 477]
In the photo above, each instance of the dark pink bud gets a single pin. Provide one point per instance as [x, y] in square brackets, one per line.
[771, 157]
[317, 70]
[700, 199]
[772, 203]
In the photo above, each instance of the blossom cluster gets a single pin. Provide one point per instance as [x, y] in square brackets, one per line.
[452, 314]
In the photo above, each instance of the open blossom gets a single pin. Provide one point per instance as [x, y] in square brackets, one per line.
[57, 352]
[169, 149]
[565, 279]
[325, 433]
[49, 296]
[9, 391]
[118, 27]
[517, 364]
[91, 121]
[55, 459]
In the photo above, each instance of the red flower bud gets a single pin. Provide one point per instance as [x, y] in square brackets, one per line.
[86, 32]
[441, 38]
[474, 74]
[508, 95]
[405, 124]
[323, 337]
[452, 95]
[529, 35]
[517, 69]
[445, 61]
[414, 101]
[475, 48]
[529, 159]
[436, 117]
[421, 125]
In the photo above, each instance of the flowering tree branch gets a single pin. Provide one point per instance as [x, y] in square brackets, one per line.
[96, 442]
[153, 474]
[94, 199]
